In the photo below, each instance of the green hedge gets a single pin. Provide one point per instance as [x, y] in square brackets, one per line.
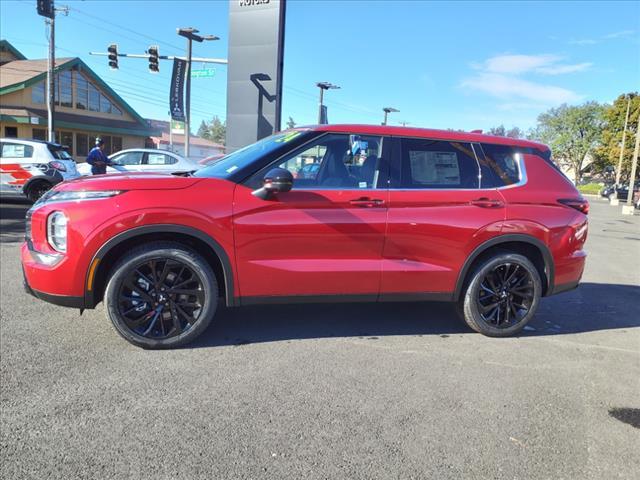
[590, 188]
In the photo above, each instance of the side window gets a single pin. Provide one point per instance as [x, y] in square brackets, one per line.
[336, 161]
[160, 159]
[499, 166]
[16, 150]
[436, 164]
[129, 158]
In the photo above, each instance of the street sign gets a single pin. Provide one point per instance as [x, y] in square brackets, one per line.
[203, 73]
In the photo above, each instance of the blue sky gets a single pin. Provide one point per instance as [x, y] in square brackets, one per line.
[462, 65]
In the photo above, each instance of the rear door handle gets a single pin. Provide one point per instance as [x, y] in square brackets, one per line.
[485, 202]
[366, 202]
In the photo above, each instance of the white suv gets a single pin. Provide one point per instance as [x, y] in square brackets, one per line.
[31, 167]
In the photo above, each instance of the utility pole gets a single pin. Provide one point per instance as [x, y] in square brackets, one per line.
[629, 208]
[190, 34]
[50, 77]
[624, 137]
[387, 111]
[323, 86]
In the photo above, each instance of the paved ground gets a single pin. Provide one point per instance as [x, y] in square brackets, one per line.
[345, 391]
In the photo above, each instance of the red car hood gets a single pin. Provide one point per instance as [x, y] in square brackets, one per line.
[129, 181]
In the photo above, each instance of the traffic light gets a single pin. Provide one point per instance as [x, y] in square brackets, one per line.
[113, 56]
[154, 66]
[45, 8]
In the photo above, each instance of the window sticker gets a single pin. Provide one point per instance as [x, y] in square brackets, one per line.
[232, 169]
[288, 137]
[362, 185]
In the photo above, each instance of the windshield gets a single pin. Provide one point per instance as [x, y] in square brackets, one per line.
[239, 159]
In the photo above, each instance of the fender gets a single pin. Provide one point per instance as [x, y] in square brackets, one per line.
[546, 255]
[165, 228]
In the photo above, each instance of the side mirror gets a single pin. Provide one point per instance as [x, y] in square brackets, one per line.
[276, 180]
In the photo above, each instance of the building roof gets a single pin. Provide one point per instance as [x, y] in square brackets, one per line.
[34, 116]
[21, 74]
[7, 47]
[179, 140]
[21, 71]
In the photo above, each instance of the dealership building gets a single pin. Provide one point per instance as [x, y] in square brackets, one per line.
[85, 106]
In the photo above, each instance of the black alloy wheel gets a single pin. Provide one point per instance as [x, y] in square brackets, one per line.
[161, 295]
[502, 295]
[161, 298]
[505, 295]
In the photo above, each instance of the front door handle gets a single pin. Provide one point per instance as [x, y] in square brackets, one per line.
[485, 202]
[366, 202]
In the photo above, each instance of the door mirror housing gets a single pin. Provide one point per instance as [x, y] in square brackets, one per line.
[276, 180]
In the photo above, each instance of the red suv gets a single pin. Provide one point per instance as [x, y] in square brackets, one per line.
[390, 214]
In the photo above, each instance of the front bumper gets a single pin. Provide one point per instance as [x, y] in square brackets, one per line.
[61, 300]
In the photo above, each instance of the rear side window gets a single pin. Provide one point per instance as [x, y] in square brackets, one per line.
[436, 164]
[499, 166]
[160, 159]
[16, 150]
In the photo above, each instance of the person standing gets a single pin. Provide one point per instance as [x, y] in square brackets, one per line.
[97, 159]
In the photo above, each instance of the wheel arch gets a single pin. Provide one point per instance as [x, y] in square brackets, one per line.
[108, 253]
[52, 181]
[544, 263]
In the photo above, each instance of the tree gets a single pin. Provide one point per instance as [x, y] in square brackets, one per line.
[203, 130]
[607, 154]
[500, 131]
[572, 132]
[215, 130]
[291, 123]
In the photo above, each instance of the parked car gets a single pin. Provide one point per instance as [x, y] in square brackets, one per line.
[487, 222]
[620, 192]
[145, 160]
[31, 167]
[607, 190]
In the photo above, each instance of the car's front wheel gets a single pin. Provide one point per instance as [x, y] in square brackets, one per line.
[501, 295]
[161, 295]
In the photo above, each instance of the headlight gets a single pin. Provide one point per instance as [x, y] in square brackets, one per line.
[57, 231]
[69, 196]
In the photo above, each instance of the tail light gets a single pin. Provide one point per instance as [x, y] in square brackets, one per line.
[58, 166]
[579, 204]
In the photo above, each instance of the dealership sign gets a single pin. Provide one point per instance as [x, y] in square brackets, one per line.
[254, 78]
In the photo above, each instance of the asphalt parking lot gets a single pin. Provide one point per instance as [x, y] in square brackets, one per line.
[332, 391]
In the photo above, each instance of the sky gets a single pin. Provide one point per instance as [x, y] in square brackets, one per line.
[459, 65]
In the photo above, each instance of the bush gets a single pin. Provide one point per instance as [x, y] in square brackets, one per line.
[590, 188]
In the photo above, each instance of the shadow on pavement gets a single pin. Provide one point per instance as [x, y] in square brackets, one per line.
[12, 213]
[591, 307]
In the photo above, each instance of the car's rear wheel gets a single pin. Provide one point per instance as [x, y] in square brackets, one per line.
[501, 295]
[161, 295]
[37, 189]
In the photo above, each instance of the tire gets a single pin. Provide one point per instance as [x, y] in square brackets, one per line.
[146, 306]
[37, 189]
[523, 289]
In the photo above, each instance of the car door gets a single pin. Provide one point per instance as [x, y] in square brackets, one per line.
[325, 236]
[439, 209]
[16, 166]
[131, 161]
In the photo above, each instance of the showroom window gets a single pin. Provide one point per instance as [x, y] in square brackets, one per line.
[39, 134]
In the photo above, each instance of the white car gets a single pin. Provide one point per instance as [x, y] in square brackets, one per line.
[145, 160]
[31, 167]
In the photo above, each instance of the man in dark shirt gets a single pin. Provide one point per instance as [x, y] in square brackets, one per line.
[97, 159]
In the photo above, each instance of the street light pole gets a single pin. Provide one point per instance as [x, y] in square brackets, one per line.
[386, 111]
[323, 86]
[624, 137]
[190, 34]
